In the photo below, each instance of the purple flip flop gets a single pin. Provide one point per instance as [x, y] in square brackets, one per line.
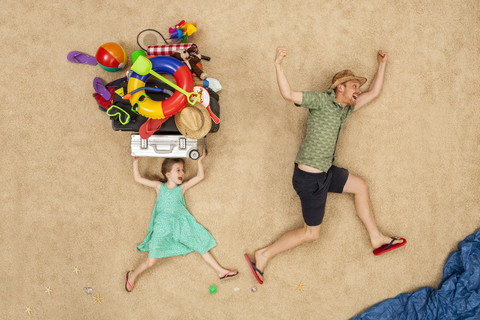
[101, 89]
[79, 57]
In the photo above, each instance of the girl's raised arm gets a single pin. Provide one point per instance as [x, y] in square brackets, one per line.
[200, 174]
[136, 175]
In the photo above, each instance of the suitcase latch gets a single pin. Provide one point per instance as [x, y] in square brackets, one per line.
[183, 143]
[143, 143]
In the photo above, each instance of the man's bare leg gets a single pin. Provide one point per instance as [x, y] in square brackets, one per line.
[289, 240]
[359, 188]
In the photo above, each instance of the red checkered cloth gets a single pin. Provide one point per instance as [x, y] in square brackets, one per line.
[169, 49]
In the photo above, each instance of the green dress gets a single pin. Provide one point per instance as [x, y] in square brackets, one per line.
[173, 230]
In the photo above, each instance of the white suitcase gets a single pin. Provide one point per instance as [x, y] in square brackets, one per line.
[166, 146]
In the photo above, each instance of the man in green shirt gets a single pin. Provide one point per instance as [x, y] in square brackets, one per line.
[315, 173]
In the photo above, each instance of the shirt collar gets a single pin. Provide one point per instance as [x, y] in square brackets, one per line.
[331, 94]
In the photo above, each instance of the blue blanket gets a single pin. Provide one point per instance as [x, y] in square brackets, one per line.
[458, 295]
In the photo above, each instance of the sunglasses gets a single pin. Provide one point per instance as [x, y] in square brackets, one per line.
[141, 98]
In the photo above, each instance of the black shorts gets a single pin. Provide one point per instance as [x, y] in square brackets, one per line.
[312, 188]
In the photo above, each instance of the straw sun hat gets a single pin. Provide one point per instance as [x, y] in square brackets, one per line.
[193, 121]
[344, 76]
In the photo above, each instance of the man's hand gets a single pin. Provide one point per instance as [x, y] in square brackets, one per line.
[281, 53]
[382, 56]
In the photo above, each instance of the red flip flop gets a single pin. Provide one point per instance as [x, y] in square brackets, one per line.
[150, 127]
[254, 269]
[230, 274]
[390, 246]
[127, 284]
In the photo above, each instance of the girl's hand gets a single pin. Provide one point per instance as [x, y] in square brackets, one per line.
[204, 153]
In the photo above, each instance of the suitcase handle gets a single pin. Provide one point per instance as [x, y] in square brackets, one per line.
[158, 150]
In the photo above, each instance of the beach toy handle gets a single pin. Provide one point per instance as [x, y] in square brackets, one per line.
[214, 117]
[171, 84]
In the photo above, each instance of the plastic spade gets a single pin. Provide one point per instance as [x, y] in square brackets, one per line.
[143, 66]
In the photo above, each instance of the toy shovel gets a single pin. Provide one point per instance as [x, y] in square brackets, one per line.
[143, 66]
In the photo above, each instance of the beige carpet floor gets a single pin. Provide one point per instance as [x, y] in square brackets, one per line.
[69, 202]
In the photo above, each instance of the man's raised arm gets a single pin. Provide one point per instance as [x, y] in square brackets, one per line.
[377, 83]
[285, 90]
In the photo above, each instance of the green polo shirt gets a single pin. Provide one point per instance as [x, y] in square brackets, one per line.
[325, 121]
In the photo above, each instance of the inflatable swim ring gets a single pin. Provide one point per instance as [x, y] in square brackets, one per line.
[167, 108]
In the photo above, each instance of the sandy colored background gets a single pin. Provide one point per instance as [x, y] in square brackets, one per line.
[69, 198]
